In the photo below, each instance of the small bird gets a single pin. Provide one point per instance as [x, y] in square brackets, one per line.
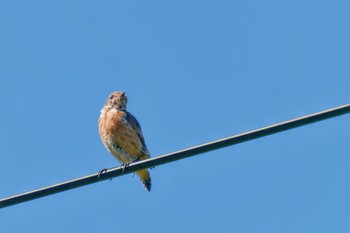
[121, 134]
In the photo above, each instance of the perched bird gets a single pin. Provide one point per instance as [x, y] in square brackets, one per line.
[121, 134]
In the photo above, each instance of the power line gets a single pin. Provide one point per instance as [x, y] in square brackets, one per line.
[167, 158]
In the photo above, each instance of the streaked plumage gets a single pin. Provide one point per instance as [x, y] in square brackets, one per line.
[121, 134]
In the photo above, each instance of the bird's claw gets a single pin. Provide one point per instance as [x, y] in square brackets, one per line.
[101, 172]
[124, 166]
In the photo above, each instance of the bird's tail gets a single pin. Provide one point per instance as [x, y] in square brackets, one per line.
[145, 179]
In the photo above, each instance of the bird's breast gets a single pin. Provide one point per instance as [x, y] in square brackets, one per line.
[116, 132]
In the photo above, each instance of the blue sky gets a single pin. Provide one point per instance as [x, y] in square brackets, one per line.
[194, 71]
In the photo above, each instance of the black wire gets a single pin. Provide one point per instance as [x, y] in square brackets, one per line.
[167, 158]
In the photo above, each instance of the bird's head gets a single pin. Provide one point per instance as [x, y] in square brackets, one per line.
[116, 100]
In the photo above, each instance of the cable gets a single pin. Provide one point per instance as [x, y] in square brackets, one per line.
[171, 157]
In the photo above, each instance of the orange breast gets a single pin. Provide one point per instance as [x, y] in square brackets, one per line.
[115, 129]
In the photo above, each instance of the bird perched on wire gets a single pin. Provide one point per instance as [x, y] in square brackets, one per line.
[122, 136]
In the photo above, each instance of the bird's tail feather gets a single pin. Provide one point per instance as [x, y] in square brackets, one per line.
[145, 179]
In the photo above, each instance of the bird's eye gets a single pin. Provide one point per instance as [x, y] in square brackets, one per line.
[111, 96]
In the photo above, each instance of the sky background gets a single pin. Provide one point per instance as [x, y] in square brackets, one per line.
[194, 71]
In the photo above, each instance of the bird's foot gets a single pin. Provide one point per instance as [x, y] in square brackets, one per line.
[101, 172]
[124, 166]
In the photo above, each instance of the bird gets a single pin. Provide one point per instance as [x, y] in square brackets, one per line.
[121, 134]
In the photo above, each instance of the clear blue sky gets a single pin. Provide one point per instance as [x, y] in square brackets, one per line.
[194, 71]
